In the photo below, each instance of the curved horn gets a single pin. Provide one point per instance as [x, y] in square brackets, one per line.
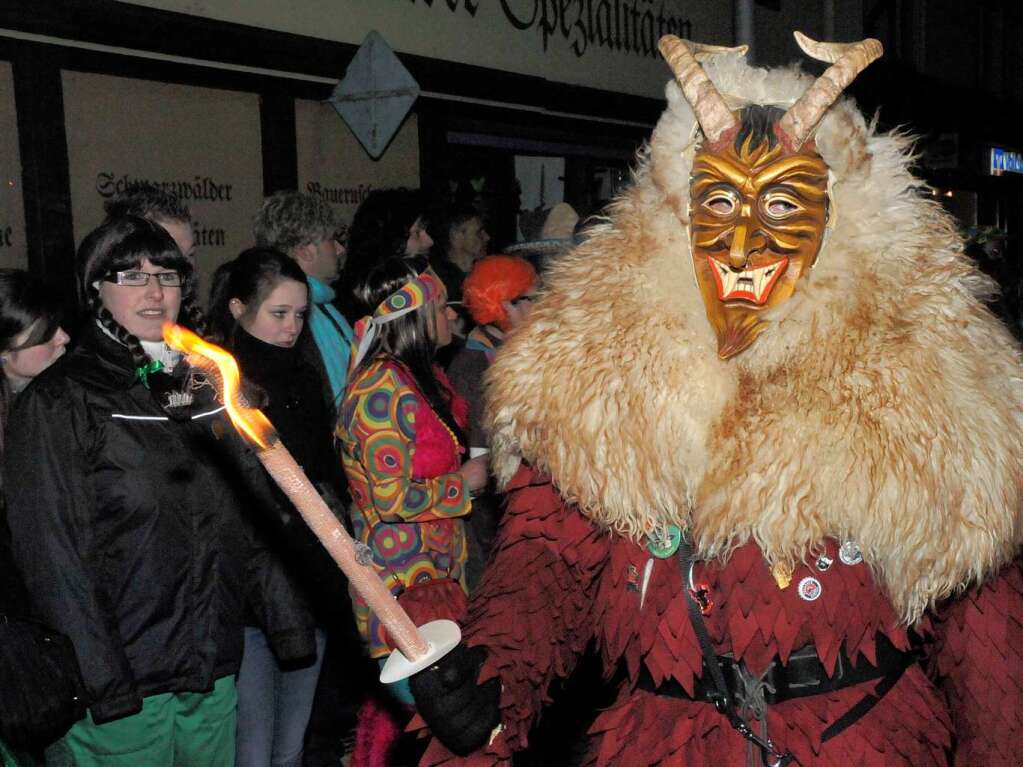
[711, 111]
[847, 60]
[704, 51]
[815, 49]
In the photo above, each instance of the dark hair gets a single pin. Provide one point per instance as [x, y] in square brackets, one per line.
[250, 278]
[147, 200]
[289, 219]
[756, 123]
[407, 340]
[24, 301]
[448, 220]
[379, 232]
[123, 243]
[25, 304]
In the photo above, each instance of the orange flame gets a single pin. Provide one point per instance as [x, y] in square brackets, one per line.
[250, 421]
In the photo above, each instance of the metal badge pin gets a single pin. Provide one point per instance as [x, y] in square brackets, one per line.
[665, 544]
[363, 554]
[824, 563]
[850, 554]
[782, 574]
[810, 589]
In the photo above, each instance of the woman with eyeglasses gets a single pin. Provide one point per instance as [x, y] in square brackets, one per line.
[124, 521]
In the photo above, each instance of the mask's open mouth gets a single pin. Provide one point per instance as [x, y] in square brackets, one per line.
[752, 285]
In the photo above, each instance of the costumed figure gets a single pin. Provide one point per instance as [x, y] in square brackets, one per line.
[498, 291]
[401, 436]
[783, 496]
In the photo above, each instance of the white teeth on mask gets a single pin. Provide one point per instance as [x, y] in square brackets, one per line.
[749, 283]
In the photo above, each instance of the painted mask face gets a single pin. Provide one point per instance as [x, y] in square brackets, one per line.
[757, 220]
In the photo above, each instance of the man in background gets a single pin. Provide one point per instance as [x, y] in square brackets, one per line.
[160, 207]
[303, 226]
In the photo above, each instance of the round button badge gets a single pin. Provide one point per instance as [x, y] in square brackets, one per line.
[664, 546]
[810, 589]
[850, 554]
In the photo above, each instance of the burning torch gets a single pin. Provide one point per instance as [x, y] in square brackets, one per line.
[416, 648]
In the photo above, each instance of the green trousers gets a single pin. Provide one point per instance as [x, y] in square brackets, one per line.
[10, 758]
[183, 729]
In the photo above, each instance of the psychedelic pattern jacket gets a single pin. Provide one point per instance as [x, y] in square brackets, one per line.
[408, 499]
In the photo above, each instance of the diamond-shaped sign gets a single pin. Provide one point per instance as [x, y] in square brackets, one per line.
[375, 94]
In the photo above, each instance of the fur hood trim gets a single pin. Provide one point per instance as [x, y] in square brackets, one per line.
[883, 405]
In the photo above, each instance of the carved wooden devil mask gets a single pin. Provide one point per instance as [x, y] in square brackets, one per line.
[758, 191]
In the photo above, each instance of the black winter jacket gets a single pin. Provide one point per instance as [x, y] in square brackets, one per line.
[294, 406]
[125, 523]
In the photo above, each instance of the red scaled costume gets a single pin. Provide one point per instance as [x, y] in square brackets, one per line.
[828, 410]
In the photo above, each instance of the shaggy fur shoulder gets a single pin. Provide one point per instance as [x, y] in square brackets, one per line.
[884, 404]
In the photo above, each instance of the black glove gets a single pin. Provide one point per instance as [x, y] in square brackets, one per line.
[460, 712]
[41, 690]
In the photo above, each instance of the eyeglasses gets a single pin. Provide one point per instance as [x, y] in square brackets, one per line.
[138, 279]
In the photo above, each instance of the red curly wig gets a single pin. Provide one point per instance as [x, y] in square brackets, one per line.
[494, 279]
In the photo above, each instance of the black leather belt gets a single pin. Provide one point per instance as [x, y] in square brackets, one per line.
[802, 676]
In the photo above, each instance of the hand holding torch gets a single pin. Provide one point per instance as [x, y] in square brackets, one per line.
[417, 648]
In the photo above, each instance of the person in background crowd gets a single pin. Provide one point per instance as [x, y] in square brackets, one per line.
[39, 677]
[122, 518]
[402, 438]
[419, 241]
[463, 239]
[31, 338]
[389, 223]
[498, 293]
[548, 233]
[258, 308]
[150, 202]
[303, 227]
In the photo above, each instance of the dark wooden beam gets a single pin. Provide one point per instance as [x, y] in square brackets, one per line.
[46, 183]
[279, 140]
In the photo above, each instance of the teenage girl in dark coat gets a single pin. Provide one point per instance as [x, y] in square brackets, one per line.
[258, 308]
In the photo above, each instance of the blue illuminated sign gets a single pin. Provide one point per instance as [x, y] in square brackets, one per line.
[1004, 161]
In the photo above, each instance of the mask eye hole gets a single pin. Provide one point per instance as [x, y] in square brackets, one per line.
[779, 206]
[721, 203]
